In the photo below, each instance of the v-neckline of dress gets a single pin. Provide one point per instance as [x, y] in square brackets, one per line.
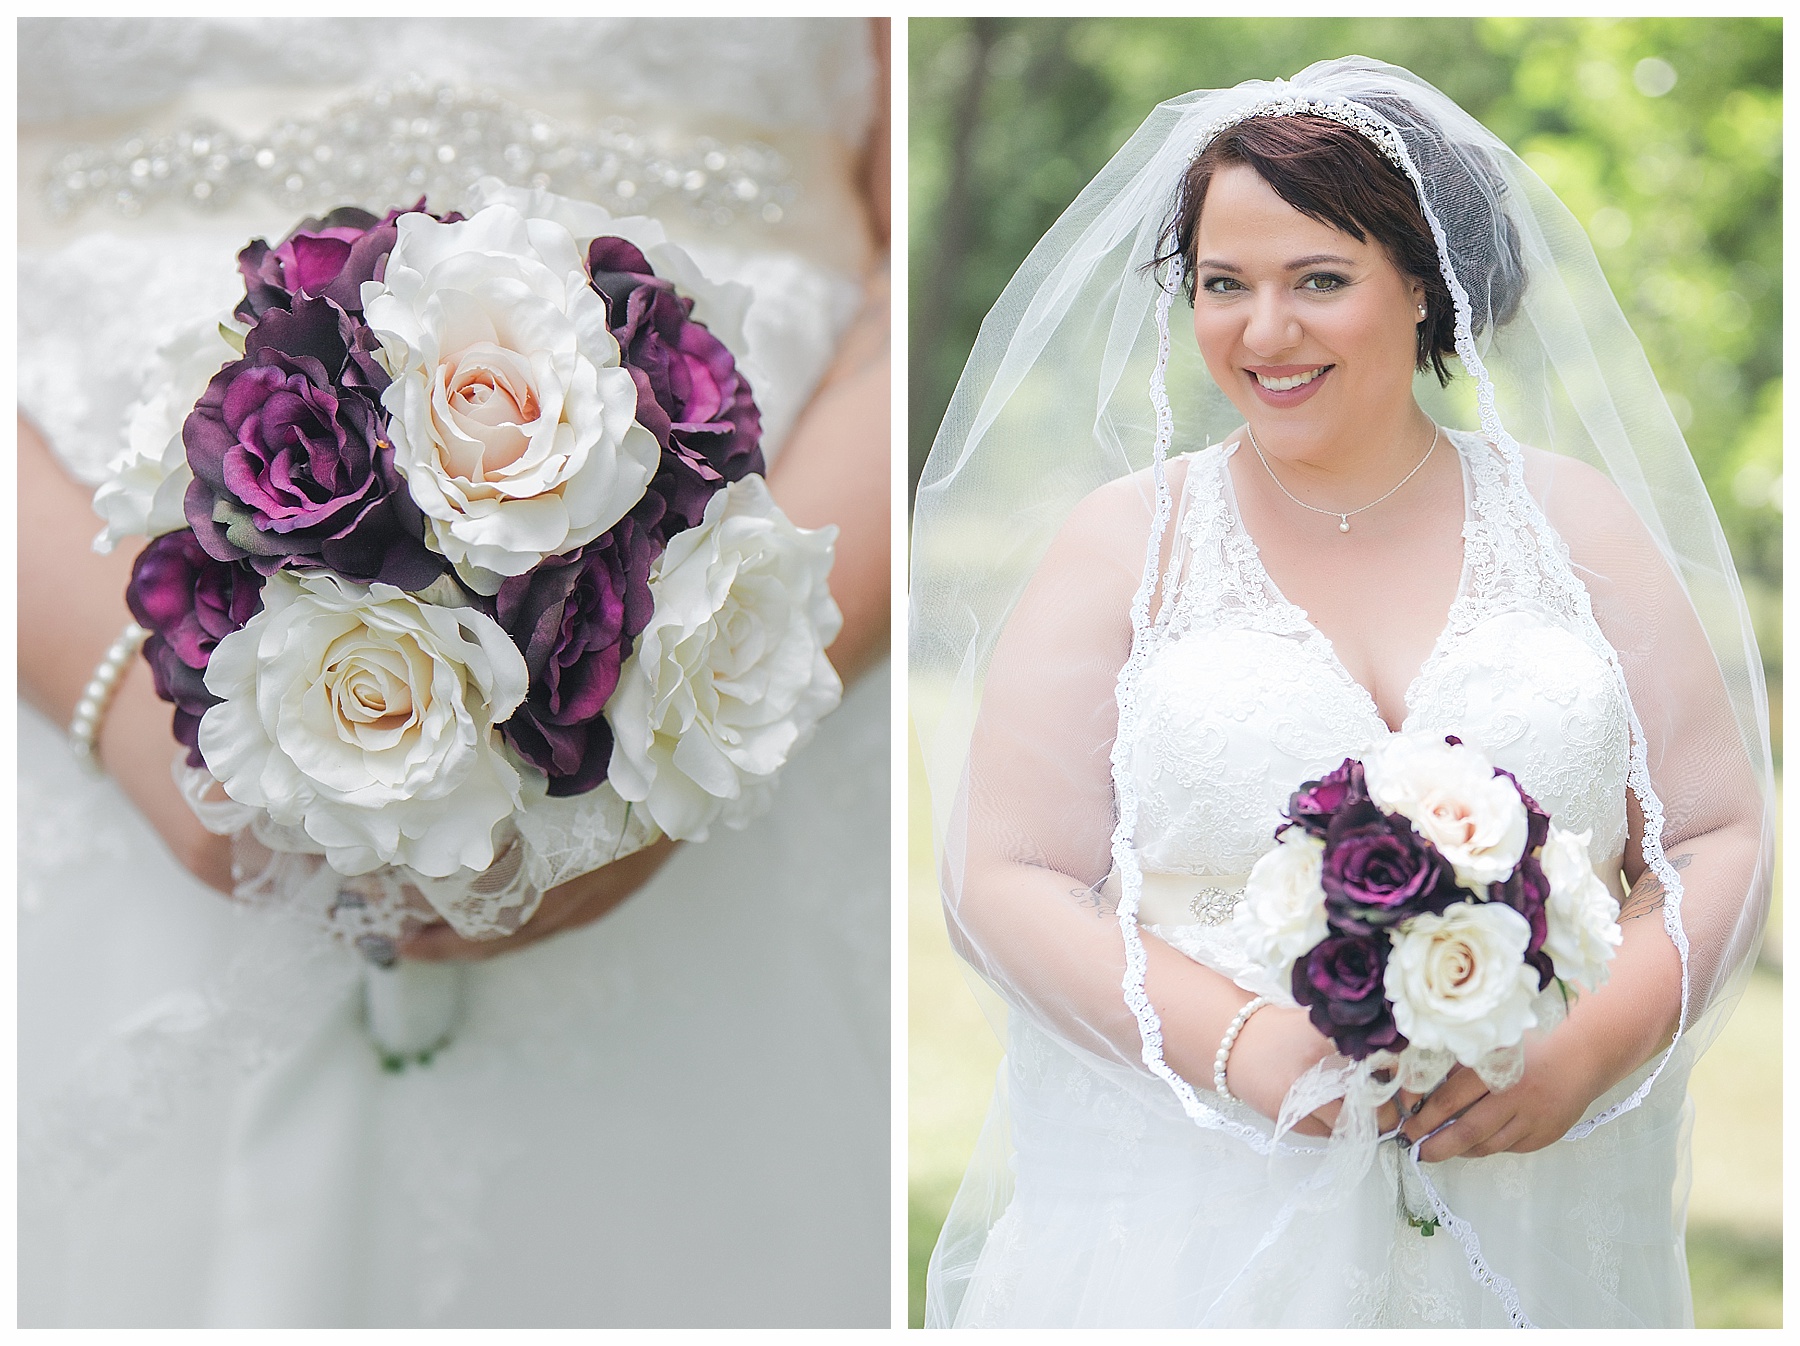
[1315, 636]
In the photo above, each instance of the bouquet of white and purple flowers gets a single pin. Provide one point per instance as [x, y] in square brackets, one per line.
[462, 568]
[1420, 903]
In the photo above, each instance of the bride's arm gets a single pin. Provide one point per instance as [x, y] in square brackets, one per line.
[71, 608]
[1712, 838]
[1030, 842]
[836, 467]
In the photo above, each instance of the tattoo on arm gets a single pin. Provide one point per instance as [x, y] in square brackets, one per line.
[1096, 898]
[1646, 895]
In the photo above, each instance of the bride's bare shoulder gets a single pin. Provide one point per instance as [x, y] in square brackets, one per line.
[1584, 505]
[1114, 520]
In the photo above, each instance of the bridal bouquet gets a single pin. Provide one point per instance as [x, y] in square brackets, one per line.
[1425, 910]
[461, 552]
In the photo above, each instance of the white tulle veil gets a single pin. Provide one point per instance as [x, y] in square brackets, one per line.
[1063, 395]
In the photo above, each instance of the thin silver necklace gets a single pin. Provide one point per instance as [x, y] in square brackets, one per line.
[1342, 516]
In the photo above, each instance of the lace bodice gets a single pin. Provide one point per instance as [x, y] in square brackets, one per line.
[1243, 698]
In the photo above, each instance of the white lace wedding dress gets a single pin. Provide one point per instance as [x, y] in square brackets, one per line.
[677, 1115]
[1123, 1212]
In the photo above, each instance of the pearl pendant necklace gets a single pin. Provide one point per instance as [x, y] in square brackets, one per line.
[1343, 516]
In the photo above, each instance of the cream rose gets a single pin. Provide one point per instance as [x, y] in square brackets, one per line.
[367, 717]
[1459, 981]
[730, 676]
[1452, 797]
[146, 484]
[1582, 916]
[512, 420]
[720, 305]
[1282, 915]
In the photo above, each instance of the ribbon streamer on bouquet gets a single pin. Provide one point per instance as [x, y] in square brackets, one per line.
[1354, 1135]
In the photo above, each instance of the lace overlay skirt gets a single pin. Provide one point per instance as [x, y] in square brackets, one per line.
[1123, 1213]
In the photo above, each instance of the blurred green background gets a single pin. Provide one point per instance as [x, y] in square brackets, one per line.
[1663, 136]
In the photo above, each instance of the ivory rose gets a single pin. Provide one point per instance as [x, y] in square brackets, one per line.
[1458, 981]
[729, 676]
[512, 419]
[1452, 797]
[146, 484]
[367, 717]
[1583, 916]
[721, 305]
[1283, 911]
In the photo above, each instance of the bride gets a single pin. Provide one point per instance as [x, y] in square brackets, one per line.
[1121, 692]
[673, 1115]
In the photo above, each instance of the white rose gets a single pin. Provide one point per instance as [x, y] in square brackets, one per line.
[1582, 915]
[1451, 796]
[730, 676]
[1282, 915]
[146, 484]
[367, 717]
[1459, 982]
[720, 305]
[513, 422]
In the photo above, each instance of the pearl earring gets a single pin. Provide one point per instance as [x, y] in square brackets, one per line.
[1421, 310]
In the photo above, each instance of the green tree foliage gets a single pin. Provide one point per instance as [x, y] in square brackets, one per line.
[1663, 136]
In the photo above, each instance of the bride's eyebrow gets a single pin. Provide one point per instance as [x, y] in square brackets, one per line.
[1298, 264]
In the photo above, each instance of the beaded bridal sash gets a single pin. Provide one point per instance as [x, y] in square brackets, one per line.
[434, 140]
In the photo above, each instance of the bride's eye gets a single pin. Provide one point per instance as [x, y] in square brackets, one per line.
[1221, 284]
[1323, 282]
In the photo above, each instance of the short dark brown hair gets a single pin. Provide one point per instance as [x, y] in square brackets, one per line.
[1333, 174]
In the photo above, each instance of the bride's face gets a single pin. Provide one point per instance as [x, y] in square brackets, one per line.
[1307, 330]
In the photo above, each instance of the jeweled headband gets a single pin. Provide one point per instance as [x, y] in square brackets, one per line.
[1354, 115]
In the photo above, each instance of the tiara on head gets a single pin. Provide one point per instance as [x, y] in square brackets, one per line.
[1352, 114]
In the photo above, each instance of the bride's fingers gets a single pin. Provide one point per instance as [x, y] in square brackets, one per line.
[1411, 1104]
[1515, 1129]
[1459, 1089]
[1461, 1133]
[564, 907]
[440, 944]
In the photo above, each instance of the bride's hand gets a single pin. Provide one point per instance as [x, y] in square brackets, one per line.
[1557, 1087]
[1276, 1046]
[565, 907]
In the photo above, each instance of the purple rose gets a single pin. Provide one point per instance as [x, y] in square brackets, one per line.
[1340, 983]
[1377, 872]
[1537, 822]
[190, 602]
[321, 259]
[691, 395]
[574, 618]
[291, 464]
[1527, 892]
[1315, 803]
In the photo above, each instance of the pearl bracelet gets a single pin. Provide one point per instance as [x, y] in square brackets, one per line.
[1225, 1045]
[84, 729]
